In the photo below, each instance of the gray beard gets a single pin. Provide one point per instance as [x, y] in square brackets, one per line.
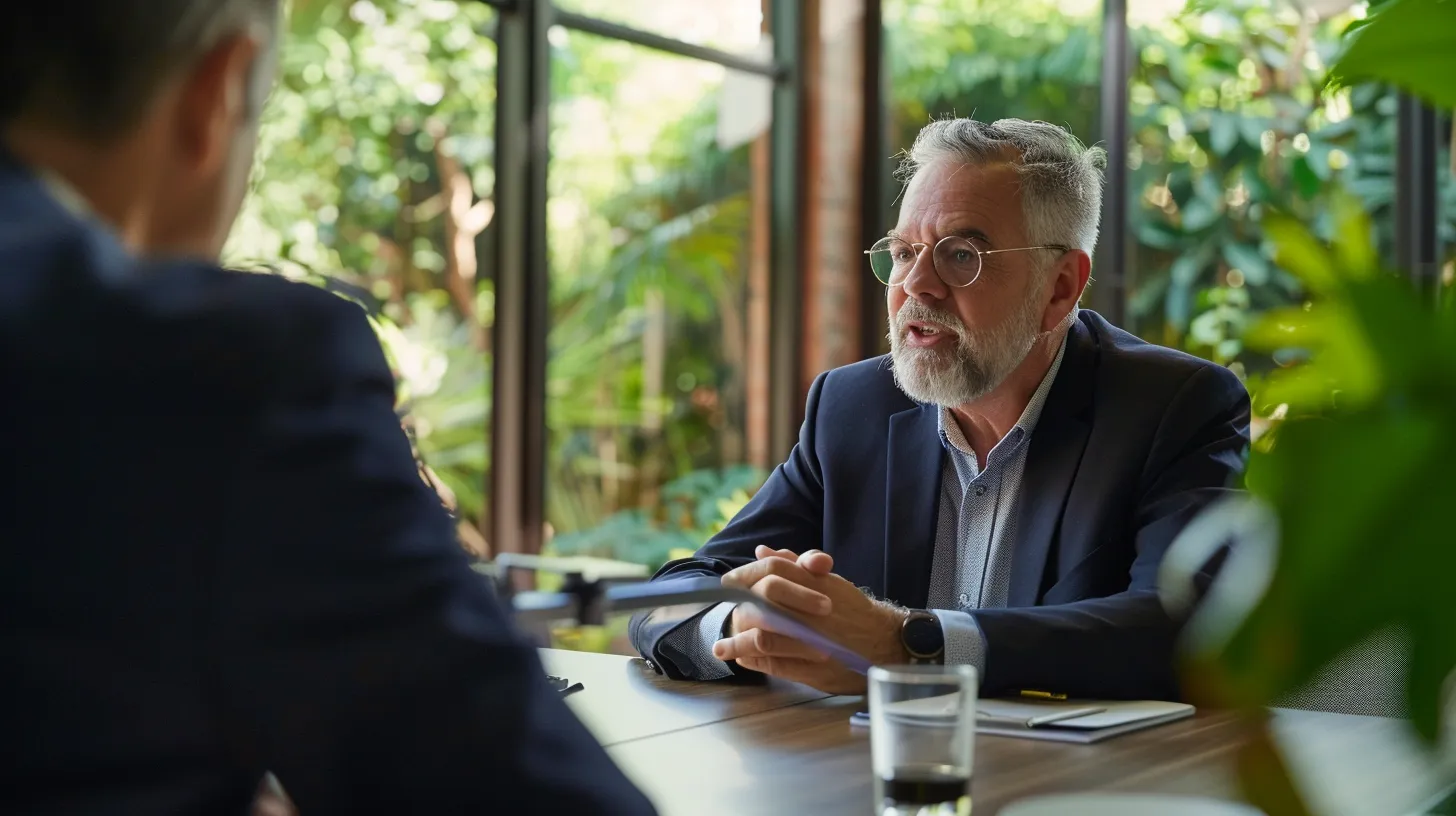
[973, 367]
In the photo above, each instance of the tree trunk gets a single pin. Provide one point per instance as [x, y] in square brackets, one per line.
[654, 364]
[464, 219]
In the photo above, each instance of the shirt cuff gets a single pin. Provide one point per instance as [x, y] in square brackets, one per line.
[964, 642]
[696, 642]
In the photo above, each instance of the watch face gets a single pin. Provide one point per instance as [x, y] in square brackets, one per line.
[923, 636]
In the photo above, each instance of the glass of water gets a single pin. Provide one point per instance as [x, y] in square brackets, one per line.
[922, 739]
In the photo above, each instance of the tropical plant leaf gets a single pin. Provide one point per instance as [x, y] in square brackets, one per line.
[1409, 43]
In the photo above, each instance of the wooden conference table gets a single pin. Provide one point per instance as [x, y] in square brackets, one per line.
[707, 748]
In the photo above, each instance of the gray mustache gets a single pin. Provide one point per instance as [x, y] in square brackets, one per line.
[914, 310]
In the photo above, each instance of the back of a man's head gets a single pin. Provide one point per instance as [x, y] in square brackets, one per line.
[148, 107]
[93, 66]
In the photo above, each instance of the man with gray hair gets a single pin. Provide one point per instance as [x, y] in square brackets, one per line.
[1000, 489]
[219, 557]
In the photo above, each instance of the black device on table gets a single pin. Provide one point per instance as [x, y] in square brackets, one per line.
[563, 685]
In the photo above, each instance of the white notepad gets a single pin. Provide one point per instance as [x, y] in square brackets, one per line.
[1082, 721]
[1007, 718]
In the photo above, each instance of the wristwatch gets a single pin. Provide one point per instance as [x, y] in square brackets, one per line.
[922, 637]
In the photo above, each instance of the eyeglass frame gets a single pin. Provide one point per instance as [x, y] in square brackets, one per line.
[980, 256]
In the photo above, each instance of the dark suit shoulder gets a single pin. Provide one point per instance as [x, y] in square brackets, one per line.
[282, 310]
[264, 331]
[865, 387]
[1128, 361]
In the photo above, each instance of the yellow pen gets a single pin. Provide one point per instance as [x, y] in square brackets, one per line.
[1042, 695]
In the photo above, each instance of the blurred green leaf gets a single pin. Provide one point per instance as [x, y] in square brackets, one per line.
[1223, 133]
[1408, 43]
[1362, 549]
[1305, 179]
[1297, 251]
[1353, 242]
[1248, 260]
[1198, 215]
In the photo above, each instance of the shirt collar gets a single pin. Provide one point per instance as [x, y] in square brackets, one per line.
[63, 193]
[954, 438]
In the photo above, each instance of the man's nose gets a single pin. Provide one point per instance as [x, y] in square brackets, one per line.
[922, 282]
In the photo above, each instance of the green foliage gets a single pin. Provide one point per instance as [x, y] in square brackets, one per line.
[1370, 430]
[1376, 391]
[375, 179]
[1031, 59]
[1229, 126]
[1355, 473]
[1411, 45]
[693, 508]
[650, 235]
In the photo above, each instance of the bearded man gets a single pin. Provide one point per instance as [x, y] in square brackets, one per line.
[1001, 488]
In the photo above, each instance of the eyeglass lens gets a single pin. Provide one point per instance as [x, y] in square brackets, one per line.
[956, 260]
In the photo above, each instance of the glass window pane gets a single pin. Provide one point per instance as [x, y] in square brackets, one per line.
[1228, 125]
[729, 25]
[656, 231]
[375, 178]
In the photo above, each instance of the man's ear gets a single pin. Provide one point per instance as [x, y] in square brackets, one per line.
[213, 101]
[1069, 274]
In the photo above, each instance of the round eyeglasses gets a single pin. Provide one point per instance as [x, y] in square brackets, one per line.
[956, 260]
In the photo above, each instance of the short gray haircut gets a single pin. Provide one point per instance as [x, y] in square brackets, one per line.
[94, 66]
[1061, 178]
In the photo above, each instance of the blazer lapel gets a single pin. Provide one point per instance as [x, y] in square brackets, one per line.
[1051, 462]
[915, 458]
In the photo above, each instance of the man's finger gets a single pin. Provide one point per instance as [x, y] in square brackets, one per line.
[762, 551]
[746, 576]
[817, 562]
[748, 616]
[761, 643]
[786, 593]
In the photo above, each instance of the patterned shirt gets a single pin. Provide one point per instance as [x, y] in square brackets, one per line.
[975, 535]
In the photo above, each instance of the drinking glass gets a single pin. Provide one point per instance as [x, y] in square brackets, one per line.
[922, 739]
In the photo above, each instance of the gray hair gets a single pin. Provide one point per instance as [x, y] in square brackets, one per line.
[95, 65]
[1061, 178]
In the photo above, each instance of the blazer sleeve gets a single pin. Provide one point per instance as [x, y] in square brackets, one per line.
[786, 513]
[1123, 645]
[355, 653]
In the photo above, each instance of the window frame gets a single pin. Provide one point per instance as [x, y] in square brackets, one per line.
[516, 515]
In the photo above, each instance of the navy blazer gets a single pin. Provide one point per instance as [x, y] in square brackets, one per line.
[1133, 441]
[219, 559]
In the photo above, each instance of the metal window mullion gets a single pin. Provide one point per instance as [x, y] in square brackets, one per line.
[518, 382]
[646, 39]
[874, 173]
[1416, 201]
[786, 204]
[1110, 292]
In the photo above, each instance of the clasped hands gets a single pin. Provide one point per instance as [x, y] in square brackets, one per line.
[806, 584]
